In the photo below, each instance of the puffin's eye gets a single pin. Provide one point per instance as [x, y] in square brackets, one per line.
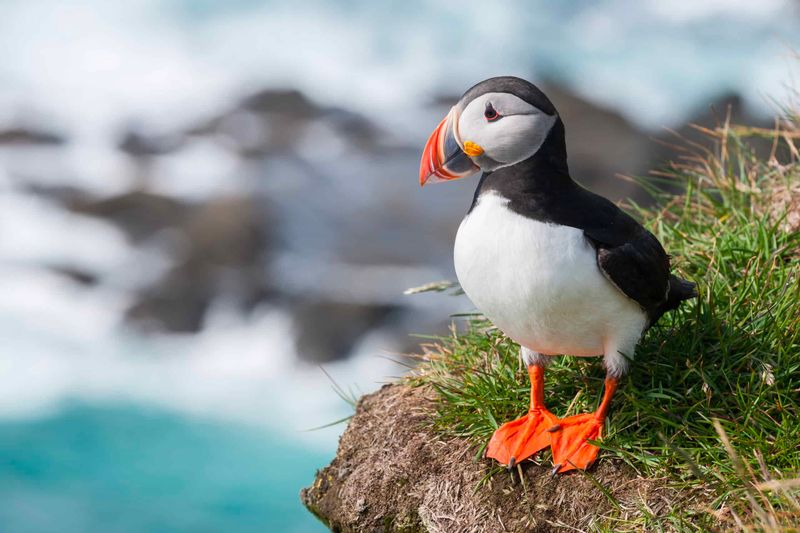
[490, 113]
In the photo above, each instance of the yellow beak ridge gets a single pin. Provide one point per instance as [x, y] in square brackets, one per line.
[472, 149]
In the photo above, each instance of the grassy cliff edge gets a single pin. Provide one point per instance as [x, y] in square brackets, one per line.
[705, 430]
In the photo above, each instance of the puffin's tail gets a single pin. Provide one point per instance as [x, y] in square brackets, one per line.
[679, 290]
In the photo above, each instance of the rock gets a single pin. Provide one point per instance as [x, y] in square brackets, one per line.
[275, 121]
[63, 195]
[392, 473]
[178, 303]
[284, 101]
[221, 249]
[270, 121]
[78, 275]
[139, 143]
[138, 213]
[225, 256]
[327, 330]
[22, 135]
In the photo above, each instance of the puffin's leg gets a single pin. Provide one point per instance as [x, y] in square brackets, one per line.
[569, 436]
[515, 441]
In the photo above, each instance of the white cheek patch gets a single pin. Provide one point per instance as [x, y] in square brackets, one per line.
[514, 137]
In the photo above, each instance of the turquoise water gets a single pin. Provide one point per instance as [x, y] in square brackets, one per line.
[131, 469]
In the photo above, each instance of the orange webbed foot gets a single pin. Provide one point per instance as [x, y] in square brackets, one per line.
[571, 450]
[515, 441]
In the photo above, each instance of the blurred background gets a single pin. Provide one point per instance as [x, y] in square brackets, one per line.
[201, 202]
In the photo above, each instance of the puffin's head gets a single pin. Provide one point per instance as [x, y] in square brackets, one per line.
[497, 123]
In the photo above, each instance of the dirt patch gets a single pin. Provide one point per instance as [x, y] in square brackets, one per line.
[391, 473]
[784, 203]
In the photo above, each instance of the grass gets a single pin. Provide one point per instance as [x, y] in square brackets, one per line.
[712, 402]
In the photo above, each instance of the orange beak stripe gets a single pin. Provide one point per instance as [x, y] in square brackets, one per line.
[442, 158]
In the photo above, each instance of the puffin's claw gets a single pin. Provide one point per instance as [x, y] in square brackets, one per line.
[571, 450]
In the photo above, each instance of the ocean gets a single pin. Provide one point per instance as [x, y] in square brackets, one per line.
[131, 468]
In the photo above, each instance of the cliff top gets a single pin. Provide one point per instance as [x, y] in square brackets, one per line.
[704, 431]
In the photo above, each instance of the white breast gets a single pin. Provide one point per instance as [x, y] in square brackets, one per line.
[540, 284]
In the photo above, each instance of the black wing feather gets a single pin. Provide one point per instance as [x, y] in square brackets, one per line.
[639, 268]
[628, 255]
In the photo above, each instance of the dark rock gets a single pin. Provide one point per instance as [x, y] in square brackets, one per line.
[139, 214]
[269, 121]
[64, 195]
[357, 129]
[21, 135]
[284, 101]
[225, 256]
[221, 249]
[138, 143]
[327, 330]
[80, 276]
[228, 231]
[274, 122]
[178, 304]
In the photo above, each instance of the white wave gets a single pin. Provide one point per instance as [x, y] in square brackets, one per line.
[36, 233]
[62, 343]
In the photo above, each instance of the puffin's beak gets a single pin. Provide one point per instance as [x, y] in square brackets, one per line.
[443, 158]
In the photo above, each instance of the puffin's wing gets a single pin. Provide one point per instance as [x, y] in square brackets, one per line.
[639, 268]
[629, 256]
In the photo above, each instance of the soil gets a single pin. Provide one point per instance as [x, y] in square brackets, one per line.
[392, 473]
[784, 205]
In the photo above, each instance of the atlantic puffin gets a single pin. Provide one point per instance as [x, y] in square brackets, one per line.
[557, 268]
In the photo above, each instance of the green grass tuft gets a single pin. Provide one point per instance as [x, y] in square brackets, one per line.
[732, 355]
